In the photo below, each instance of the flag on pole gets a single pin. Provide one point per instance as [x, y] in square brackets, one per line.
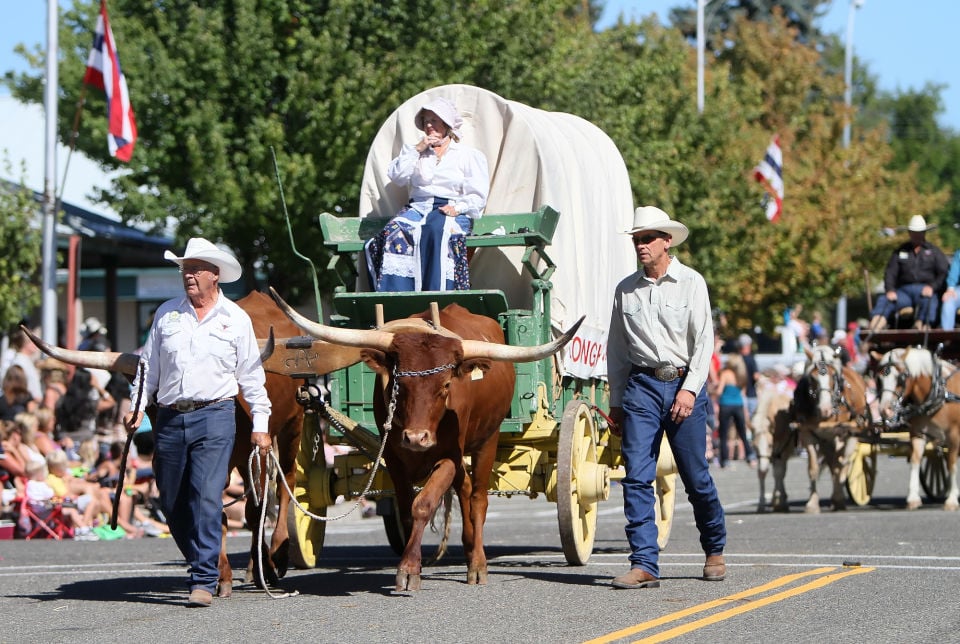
[103, 72]
[769, 172]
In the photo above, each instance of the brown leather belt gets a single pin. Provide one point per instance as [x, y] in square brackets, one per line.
[666, 373]
[184, 406]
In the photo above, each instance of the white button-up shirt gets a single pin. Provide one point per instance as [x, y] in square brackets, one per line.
[461, 175]
[656, 321]
[189, 359]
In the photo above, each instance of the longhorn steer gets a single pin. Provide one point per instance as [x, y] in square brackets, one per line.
[286, 422]
[449, 390]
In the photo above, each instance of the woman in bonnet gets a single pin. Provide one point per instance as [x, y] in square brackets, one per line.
[423, 248]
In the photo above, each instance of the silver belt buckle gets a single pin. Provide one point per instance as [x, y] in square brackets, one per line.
[184, 406]
[666, 372]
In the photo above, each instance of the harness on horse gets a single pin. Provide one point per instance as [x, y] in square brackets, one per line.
[838, 400]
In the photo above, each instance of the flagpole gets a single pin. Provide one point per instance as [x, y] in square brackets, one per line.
[48, 302]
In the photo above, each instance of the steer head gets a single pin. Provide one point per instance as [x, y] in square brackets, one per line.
[420, 373]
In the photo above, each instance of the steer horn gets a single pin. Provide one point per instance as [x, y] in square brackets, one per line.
[125, 363]
[381, 340]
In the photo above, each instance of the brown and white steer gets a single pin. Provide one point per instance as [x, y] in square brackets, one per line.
[450, 389]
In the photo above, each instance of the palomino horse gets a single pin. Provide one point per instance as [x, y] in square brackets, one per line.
[829, 410]
[922, 393]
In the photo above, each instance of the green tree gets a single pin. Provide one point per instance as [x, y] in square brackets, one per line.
[21, 238]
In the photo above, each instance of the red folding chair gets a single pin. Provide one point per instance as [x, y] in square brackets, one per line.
[48, 522]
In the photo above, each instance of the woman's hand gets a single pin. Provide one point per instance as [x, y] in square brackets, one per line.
[449, 210]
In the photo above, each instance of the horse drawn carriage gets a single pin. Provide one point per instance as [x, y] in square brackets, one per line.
[548, 251]
[917, 413]
[913, 411]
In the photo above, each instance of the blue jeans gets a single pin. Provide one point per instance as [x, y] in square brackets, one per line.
[190, 463]
[646, 408]
[948, 312]
[924, 308]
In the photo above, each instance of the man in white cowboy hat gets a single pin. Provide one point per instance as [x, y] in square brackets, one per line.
[658, 359]
[200, 353]
[914, 277]
[423, 248]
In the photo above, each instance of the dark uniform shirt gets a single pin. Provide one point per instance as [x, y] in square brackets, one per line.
[929, 266]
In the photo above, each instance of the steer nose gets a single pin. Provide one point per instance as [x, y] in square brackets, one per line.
[417, 439]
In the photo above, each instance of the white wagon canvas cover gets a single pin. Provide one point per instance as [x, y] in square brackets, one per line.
[536, 158]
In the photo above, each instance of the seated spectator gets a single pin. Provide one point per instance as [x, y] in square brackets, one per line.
[53, 378]
[45, 441]
[26, 424]
[78, 408]
[41, 497]
[12, 461]
[16, 397]
[423, 248]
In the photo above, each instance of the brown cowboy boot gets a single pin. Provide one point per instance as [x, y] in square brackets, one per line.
[714, 569]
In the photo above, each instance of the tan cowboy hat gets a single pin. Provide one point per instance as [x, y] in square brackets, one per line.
[199, 248]
[447, 112]
[652, 218]
[919, 225]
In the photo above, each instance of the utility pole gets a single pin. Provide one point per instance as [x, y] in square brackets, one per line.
[48, 302]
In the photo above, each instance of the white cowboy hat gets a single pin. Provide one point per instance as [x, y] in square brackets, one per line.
[652, 218]
[92, 325]
[199, 248]
[447, 112]
[919, 225]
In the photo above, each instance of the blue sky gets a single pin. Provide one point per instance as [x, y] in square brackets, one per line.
[905, 43]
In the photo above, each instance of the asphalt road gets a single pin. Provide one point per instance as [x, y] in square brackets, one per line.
[877, 573]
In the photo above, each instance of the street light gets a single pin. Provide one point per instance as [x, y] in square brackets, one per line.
[701, 38]
[848, 71]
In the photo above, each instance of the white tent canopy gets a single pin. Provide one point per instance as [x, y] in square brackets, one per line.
[536, 158]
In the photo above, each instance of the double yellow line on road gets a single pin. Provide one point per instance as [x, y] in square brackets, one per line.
[688, 627]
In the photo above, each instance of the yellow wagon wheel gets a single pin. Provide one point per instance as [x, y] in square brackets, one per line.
[665, 489]
[862, 473]
[581, 482]
[312, 492]
[934, 477]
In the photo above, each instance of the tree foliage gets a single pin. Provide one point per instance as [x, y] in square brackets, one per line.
[21, 238]
[216, 85]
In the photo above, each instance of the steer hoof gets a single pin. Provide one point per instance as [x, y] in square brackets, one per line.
[407, 581]
[225, 589]
[477, 576]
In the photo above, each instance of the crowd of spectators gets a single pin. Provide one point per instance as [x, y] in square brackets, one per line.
[61, 440]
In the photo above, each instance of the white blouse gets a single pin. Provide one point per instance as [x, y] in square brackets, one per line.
[461, 175]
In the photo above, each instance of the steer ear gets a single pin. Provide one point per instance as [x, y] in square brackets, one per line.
[376, 360]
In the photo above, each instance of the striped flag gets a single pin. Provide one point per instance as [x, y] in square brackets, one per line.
[769, 172]
[103, 72]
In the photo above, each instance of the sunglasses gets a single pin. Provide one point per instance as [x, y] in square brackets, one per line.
[646, 240]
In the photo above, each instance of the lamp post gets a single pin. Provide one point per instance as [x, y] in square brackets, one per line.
[48, 302]
[848, 70]
[701, 45]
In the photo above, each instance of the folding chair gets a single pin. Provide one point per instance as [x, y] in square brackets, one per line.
[48, 522]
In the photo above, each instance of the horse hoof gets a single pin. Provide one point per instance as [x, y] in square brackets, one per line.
[477, 577]
[225, 590]
[812, 509]
[951, 506]
[407, 581]
[914, 504]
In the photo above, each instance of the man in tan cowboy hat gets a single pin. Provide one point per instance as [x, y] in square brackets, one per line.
[915, 276]
[200, 353]
[658, 359]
